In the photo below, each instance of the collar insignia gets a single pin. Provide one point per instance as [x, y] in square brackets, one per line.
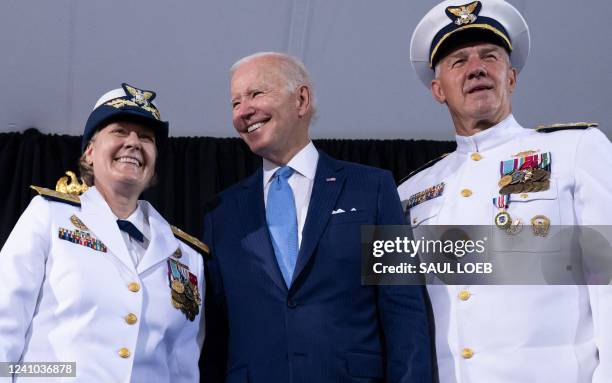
[465, 14]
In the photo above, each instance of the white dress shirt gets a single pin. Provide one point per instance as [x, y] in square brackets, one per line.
[304, 164]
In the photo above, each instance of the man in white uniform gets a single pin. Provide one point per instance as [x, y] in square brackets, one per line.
[469, 55]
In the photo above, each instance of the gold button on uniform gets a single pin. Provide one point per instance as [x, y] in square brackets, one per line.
[476, 156]
[464, 295]
[124, 352]
[134, 287]
[131, 318]
[466, 192]
[467, 353]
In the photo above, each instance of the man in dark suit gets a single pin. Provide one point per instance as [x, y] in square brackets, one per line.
[285, 301]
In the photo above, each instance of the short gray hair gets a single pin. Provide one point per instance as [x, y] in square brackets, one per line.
[291, 68]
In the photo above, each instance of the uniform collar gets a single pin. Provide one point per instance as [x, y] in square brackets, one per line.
[497, 135]
[304, 162]
[93, 195]
[137, 217]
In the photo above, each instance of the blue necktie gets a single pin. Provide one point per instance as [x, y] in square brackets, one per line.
[282, 222]
[129, 228]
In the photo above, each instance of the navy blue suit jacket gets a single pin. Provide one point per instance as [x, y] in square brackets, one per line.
[326, 327]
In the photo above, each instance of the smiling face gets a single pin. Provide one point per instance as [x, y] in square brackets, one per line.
[123, 156]
[272, 119]
[476, 82]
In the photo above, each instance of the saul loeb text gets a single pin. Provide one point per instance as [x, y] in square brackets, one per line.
[434, 256]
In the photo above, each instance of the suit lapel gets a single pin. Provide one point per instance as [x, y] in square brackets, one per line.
[162, 243]
[255, 235]
[98, 217]
[329, 180]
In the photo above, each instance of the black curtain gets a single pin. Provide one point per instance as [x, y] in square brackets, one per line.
[191, 169]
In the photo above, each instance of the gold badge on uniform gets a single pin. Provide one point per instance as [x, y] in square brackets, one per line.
[78, 223]
[526, 153]
[503, 220]
[540, 225]
[184, 292]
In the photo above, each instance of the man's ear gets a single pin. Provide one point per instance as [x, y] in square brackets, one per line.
[512, 76]
[303, 100]
[437, 91]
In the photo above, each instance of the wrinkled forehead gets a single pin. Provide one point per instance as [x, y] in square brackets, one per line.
[253, 75]
[469, 47]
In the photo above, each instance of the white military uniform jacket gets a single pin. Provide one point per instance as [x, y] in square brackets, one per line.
[523, 333]
[66, 302]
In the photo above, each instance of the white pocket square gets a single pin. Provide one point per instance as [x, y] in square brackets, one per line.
[353, 209]
[338, 211]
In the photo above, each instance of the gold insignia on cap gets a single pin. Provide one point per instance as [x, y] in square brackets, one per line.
[465, 13]
[141, 97]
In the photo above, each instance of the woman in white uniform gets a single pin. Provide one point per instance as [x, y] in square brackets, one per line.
[101, 279]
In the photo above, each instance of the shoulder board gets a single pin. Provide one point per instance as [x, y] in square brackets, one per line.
[53, 195]
[193, 242]
[423, 167]
[558, 127]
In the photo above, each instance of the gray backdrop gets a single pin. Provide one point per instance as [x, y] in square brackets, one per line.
[61, 55]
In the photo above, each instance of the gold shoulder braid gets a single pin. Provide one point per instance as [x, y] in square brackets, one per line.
[57, 196]
[193, 242]
[423, 167]
[558, 127]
